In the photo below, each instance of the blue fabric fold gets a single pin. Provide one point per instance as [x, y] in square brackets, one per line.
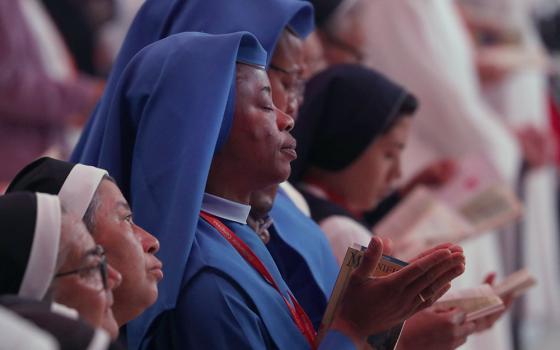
[303, 256]
[158, 19]
[162, 125]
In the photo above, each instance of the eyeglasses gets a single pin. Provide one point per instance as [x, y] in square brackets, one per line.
[93, 274]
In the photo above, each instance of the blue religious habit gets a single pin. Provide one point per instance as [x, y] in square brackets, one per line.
[158, 19]
[227, 304]
[303, 256]
[171, 111]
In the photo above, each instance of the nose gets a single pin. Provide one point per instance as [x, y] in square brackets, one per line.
[114, 278]
[284, 121]
[292, 104]
[397, 171]
[150, 244]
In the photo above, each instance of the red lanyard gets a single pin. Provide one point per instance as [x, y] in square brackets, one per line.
[299, 316]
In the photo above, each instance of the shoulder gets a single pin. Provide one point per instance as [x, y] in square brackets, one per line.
[321, 208]
[345, 230]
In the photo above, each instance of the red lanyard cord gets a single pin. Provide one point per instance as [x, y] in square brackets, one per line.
[299, 316]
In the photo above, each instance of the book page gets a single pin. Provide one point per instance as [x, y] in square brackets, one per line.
[474, 174]
[422, 221]
[515, 284]
[477, 302]
[492, 208]
[480, 195]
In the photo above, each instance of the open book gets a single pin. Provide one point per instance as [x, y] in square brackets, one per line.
[477, 302]
[476, 200]
[515, 284]
[353, 258]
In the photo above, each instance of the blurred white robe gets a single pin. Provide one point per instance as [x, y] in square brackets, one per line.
[423, 45]
[521, 99]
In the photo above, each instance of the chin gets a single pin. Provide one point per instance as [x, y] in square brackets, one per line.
[110, 325]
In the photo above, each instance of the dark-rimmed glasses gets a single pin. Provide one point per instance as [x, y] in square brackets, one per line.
[89, 272]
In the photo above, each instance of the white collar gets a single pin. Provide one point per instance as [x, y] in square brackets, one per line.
[225, 209]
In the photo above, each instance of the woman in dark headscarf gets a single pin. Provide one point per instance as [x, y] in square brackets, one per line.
[351, 130]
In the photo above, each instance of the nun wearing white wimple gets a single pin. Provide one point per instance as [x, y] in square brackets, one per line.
[48, 255]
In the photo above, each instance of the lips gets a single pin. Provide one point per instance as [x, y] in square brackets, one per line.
[156, 270]
[289, 148]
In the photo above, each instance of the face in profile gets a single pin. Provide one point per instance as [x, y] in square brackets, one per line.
[84, 281]
[314, 56]
[286, 73]
[371, 176]
[259, 148]
[129, 249]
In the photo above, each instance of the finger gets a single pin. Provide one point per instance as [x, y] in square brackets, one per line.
[441, 292]
[508, 300]
[371, 258]
[455, 315]
[388, 246]
[438, 273]
[411, 272]
[490, 278]
[458, 342]
[433, 291]
[432, 250]
[465, 329]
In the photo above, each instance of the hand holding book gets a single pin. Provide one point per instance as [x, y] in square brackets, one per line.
[370, 305]
[436, 329]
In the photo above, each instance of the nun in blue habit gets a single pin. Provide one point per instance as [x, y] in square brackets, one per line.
[298, 235]
[171, 111]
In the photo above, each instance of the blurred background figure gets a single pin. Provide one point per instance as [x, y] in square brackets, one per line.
[112, 34]
[512, 67]
[42, 93]
[79, 23]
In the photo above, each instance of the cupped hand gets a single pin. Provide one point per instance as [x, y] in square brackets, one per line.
[374, 304]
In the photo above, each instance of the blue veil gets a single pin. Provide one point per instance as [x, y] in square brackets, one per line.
[170, 111]
[158, 19]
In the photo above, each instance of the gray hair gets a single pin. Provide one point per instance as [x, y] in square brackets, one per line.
[89, 216]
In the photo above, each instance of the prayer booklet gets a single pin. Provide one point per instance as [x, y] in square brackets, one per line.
[477, 302]
[353, 258]
[516, 284]
[476, 200]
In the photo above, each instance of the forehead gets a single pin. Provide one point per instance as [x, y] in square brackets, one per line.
[251, 79]
[109, 194]
[398, 133]
[289, 51]
[78, 239]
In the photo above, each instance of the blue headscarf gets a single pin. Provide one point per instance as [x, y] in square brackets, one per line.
[170, 111]
[158, 19]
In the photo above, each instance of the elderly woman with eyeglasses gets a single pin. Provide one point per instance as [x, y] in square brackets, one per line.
[92, 195]
[47, 254]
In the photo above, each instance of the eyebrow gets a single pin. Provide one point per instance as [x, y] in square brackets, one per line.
[90, 253]
[122, 204]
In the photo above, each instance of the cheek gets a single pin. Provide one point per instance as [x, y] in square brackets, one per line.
[90, 303]
[279, 96]
[378, 174]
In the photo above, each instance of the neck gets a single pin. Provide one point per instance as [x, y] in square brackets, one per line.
[333, 193]
[226, 185]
